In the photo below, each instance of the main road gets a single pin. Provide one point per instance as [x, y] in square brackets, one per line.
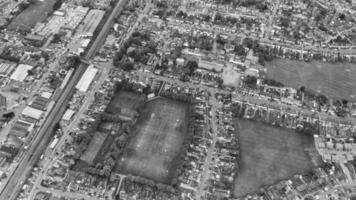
[14, 184]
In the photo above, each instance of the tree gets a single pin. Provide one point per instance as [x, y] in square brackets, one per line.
[249, 43]
[250, 81]
[117, 58]
[57, 5]
[220, 82]
[127, 66]
[191, 66]
[31, 72]
[73, 61]
[272, 82]
[344, 102]
[56, 38]
[9, 115]
[136, 41]
[302, 88]
[322, 99]
[240, 50]
[45, 55]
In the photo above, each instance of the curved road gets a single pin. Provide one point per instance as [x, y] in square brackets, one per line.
[38, 145]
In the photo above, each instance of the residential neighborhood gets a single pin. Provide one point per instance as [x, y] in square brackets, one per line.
[162, 99]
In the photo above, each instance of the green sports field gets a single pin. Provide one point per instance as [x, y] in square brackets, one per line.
[268, 155]
[36, 12]
[336, 80]
[156, 140]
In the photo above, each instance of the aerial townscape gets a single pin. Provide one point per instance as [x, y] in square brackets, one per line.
[178, 100]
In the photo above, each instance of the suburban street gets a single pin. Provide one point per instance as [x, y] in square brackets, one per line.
[252, 99]
[206, 172]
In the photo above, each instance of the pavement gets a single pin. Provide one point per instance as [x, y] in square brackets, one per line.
[40, 142]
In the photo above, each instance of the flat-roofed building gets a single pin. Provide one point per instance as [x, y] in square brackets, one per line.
[87, 78]
[90, 22]
[40, 103]
[36, 40]
[6, 69]
[32, 113]
[21, 72]
[68, 114]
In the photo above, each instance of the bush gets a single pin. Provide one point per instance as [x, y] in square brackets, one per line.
[126, 66]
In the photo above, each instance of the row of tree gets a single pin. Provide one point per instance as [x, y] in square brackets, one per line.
[175, 96]
[145, 181]
[180, 160]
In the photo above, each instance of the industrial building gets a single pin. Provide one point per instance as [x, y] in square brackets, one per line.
[90, 22]
[21, 129]
[36, 40]
[6, 69]
[21, 72]
[40, 103]
[87, 78]
[32, 113]
[68, 114]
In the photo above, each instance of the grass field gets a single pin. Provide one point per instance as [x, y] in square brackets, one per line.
[335, 80]
[231, 77]
[156, 140]
[268, 155]
[37, 11]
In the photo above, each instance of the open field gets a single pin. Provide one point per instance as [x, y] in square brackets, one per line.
[231, 77]
[268, 155]
[156, 140]
[336, 80]
[124, 100]
[37, 11]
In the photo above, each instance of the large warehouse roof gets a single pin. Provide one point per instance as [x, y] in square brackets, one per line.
[86, 79]
[90, 22]
[68, 114]
[21, 72]
[32, 112]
